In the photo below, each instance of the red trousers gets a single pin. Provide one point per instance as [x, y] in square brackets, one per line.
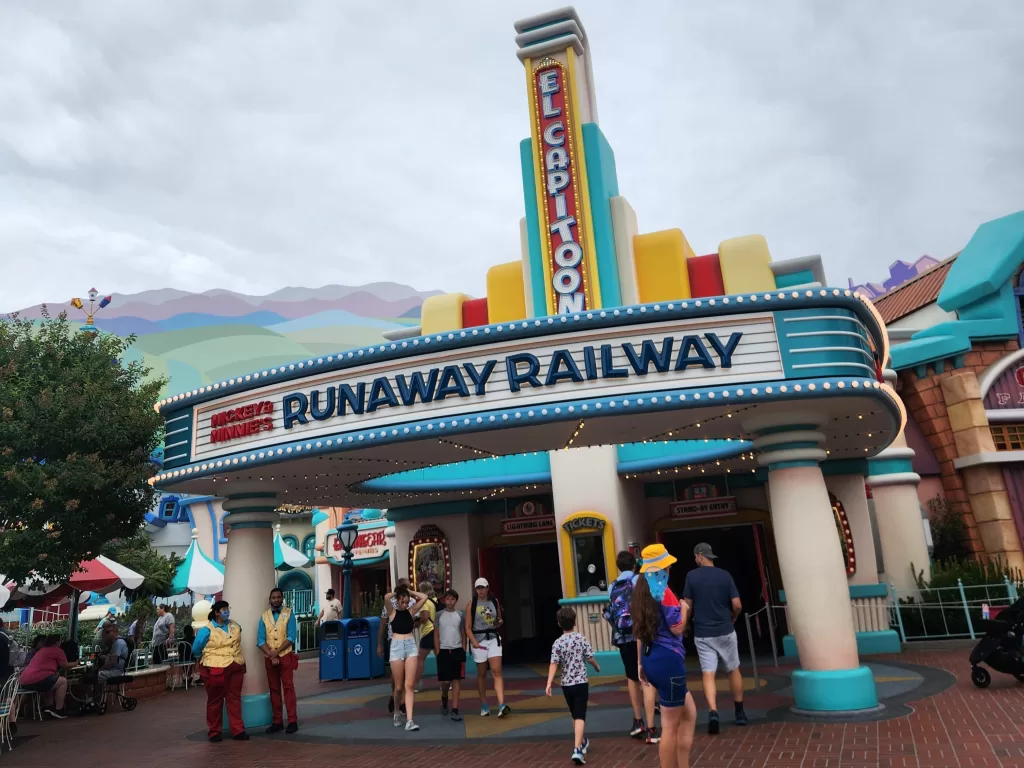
[283, 676]
[223, 686]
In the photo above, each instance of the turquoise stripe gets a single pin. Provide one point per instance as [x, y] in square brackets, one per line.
[604, 185]
[249, 524]
[791, 465]
[537, 283]
[889, 466]
[794, 278]
[584, 600]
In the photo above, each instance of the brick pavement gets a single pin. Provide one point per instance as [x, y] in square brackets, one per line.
[961, 727]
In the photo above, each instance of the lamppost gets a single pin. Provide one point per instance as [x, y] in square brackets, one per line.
[347, 533]
[94, 307]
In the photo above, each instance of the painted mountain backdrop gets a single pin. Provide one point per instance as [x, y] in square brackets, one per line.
[199, 338]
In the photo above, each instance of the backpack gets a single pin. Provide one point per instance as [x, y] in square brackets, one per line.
[497, 610]
[617, 611]
[16, 654]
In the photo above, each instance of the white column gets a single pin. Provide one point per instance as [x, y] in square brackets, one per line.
[811, 561]
[849, 489]
[898, 511]
[248, 578]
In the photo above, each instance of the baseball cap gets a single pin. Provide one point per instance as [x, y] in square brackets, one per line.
[481, 582]
[704, 550]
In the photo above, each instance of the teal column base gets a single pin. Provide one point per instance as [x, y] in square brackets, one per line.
[868, 643]
[834, 691]
[610, 661]
[256, 712]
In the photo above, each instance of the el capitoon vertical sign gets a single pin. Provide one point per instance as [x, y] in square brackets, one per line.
[561, 191]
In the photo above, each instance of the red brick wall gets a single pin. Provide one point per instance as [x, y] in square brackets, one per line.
[147, 686]
[925, 405]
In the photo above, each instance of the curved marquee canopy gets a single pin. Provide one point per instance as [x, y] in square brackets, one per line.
[324, 431]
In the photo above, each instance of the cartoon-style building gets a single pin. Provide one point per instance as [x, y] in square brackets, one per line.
[612, 388]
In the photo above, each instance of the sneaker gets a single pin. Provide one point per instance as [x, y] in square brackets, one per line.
[741, 718]
[55, 713]
[444, 705]
[485, 711]
[391, 705]
[411, 726]
[637, 730]
[292, 728]
[577, 757]
[216, 739]
[275, 728]
[243, 736]
[456, 716]
[504, 710]
[652, 736]
[398, 719]
[714, 724]
[585, 745]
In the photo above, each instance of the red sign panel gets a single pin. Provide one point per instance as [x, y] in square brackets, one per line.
[242, 421]
[561, 215]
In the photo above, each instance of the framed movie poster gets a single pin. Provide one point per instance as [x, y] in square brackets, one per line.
[430, 560]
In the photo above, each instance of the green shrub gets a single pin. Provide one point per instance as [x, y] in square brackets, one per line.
[949, 531]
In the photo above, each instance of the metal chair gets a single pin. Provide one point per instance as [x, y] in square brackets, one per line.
[184, 665]
[34, 698]
[8, 707]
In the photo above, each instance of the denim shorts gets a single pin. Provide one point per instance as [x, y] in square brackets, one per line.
[403, 648]
[666, 671]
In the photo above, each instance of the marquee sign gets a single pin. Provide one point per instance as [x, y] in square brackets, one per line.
[710, 507]
[242, 422]
[686, 353]
[562, 222]
[526, 518]
[577, 524]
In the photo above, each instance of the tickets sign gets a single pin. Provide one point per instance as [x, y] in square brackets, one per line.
[562, 224]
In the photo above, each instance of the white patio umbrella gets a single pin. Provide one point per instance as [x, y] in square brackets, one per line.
[199, 573]
[287, 557]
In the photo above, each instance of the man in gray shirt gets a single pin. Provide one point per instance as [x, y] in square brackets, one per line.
[163, 634]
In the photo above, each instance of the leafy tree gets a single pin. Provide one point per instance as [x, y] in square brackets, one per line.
[77, 430]
[138, 553]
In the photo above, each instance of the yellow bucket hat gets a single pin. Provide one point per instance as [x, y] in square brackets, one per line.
[655, 558]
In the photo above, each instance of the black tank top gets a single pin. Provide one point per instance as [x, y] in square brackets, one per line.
[401, 623]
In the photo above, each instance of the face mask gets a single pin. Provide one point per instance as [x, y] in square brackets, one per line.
[226, 614]
[658, 583]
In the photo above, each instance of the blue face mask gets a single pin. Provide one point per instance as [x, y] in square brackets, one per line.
[658, 583]
[226, 614]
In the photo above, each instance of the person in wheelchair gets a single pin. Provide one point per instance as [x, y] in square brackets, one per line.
[111, 661]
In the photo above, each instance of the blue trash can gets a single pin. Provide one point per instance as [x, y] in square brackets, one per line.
[332, 651]
[361, 659]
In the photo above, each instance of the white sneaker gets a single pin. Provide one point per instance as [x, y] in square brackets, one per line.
[398, 719]
[577, 757]
[411, 726]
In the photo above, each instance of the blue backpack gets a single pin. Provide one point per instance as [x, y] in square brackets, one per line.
[617, 612]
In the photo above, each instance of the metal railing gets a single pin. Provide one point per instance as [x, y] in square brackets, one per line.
[946, 613]
[301, 601]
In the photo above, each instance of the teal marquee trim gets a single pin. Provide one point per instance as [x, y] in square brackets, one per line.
[792, 464]
[538, 285]
[803, 277]
[584, 600]
[441, 509]
[827, 341]
[604, 185]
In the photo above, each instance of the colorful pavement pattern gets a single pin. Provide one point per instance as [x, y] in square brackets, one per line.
[933, 717]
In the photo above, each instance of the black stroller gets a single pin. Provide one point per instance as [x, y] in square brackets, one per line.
[1002, 647]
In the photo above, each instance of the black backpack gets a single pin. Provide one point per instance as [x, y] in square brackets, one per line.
[487, 633]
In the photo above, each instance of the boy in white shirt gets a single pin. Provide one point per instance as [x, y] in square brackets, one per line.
[572, 652]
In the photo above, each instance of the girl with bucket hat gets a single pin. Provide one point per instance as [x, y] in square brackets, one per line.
[658, 622]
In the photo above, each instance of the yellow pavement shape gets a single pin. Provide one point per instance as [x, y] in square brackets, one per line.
[485, 727]
[896, 679]
[347, 700]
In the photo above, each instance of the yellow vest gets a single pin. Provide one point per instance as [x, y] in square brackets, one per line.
[426, 627]
[223, 648]
[277, 634]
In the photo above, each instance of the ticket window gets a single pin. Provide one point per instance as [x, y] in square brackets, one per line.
[591, 571]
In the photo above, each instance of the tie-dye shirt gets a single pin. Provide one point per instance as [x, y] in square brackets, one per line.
[672, 616]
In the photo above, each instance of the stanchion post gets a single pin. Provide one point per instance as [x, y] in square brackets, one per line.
[753, 656]
[967, 609]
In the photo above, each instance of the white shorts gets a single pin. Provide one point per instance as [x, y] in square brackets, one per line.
[711, 649]
[489, 649]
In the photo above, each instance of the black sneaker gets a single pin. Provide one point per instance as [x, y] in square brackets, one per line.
[444, 705]
[714, 725]
[243, 736]
[504, 710]
[292, 728]
[216, 739]
[456, 716]
[638, 729]
[275, 728]
[391, 705]
[741, 716]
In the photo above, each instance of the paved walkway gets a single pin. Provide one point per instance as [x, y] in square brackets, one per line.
[933, 717]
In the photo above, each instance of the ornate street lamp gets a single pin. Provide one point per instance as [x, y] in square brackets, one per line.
[347, 534]
[95, 305]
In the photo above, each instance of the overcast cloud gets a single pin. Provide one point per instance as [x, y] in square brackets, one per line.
[256, 145]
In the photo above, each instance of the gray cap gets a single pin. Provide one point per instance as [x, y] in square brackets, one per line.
[704, 550]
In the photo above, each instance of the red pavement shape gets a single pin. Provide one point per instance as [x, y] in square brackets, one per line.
[960, 727]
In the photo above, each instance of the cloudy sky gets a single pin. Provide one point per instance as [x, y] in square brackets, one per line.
[256, 145]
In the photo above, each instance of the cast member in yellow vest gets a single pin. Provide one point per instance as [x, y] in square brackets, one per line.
[276, 638]
[218, 646]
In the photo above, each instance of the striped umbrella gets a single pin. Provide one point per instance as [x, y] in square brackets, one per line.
[287, 557]
[100, 575]
[198, 573]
